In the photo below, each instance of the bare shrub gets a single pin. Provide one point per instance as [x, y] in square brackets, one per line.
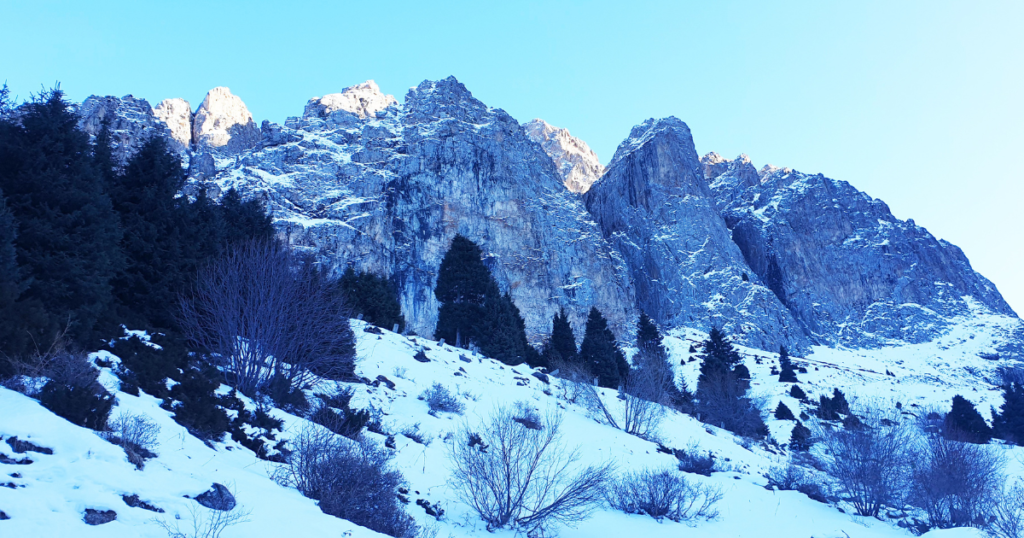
[957, 483]
[663, 494]
[523, 478]
[412, 431]
[1008, 513]
[440, 399]
[578, 385]
[791, 477]
[269, 318]
[526, 415]
[352, 480]
[205, 523]
[136, 434]
[870, 464]
[693, 460]
[644, 392]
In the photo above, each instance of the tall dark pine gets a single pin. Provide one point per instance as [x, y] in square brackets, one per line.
[68, 233]
[245, 220]
[504, 331]
[374, 297]
[562, 345]
[652, 355]
[600, 352]
[144, 195]
[965, 423]
[717, 355]
[721, 389]
[787, 373]
[463, 282]
[1009, 422]
[10, 286]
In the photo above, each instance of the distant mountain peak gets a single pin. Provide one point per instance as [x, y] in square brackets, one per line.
[223, 121]
[577, 164]
[364, 100]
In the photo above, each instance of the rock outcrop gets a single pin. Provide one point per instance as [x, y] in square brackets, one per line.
[224, 124]
[386, 192]
[655, 207]
[176, 114]
[848, 270]
[130, 120]
[364, 100]
[577, 164]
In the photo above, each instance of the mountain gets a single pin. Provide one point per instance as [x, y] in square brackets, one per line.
[775, 257]
[576, 162]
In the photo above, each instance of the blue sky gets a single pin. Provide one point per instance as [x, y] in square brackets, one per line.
[920, 104]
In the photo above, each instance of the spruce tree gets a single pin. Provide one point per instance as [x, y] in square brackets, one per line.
[245, 220]
[600, 352]
[783, 412]
[1009, 422]
[798, 393]
[787, 373]
[800, 437]
[965, 423]
[652, 354]
[68, 233]
[721, 389]
[10, 286]
[144, 195]
[374, 297]
[562, 345]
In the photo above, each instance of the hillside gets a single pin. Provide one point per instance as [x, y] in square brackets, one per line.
[48, 496]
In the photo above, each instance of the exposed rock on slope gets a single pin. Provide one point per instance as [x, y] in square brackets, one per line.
[363, 100]
[655, 207]
[177, 115]
[223, 123]
[576, 162]
[130, 119]
[850, 271]
[386, 193]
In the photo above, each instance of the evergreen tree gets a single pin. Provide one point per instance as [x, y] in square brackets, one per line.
[800, 437]
[600, 352]
[787, 373]
[10, 285]
[68, 233]
[721, 389]
[144, 195]
[783, 412]
[463, 282]
[832, 408]
[798, 393]
[374, 297]
[652, 354]
[562, 345]
[965, 423]
[473, 310]
[1009, 422]
[245, 220]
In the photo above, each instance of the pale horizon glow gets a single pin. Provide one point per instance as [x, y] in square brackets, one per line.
[919, 104]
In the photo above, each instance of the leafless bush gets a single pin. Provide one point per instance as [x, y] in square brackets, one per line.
[412, 431]
[664, 494]
[440, 399]
[957, 483]
[645, 394]
[526, 415]
[352, 480]
[791, 477]
[578, 385]
[870, 464]
[136, 434]
[205, 523]
[1008, 513]
[269, 318]
[523, 478]
[693, 460]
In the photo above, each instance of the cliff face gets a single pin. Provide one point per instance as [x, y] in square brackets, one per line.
[655, 207]
[387, 192]
[775, 257]
[847, 269]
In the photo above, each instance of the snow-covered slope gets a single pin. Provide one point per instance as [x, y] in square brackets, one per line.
[49, 496]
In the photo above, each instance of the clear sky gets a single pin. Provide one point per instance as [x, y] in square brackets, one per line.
[920, 104]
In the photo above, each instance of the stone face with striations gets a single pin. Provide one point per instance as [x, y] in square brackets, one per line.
[177, 115]
[387, 192]
[131, 122]
[576, 162]
[224, 124]
[849, 271]
[655, 207]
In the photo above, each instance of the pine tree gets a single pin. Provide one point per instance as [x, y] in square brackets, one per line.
[800, 437]
[783, 412]
[245, 220]
[600, 352]
[374, 297]
[473, 310]
[798, 393]
[652, 354]
[721, 389]
[965, 423]
[67, 246]
[11, 285]
[562, 345]
[145, 197]
[832, 408]
[787, 373]
[1009, 422]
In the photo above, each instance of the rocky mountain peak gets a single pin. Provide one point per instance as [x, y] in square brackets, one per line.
[577, 164]
[224, 123]
[130, 120]
[650, 129]
[364, 100]
[176, 114]
[739, 171]
[443, 99]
